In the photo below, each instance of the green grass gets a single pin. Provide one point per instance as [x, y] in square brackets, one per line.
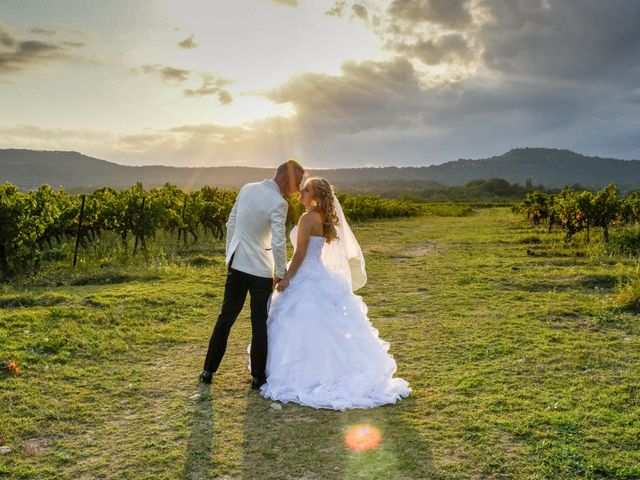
[447, 209]
[520, 367]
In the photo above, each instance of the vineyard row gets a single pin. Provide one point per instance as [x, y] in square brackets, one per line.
[33, 221]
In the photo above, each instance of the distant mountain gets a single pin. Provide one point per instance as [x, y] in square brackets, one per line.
[552, 168]
[546, 166]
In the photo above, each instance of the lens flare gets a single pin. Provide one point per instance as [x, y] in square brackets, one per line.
[362, 437]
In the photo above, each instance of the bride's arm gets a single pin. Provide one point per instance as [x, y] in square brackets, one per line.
[302, 242]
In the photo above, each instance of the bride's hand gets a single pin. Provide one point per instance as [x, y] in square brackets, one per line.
[282, 285]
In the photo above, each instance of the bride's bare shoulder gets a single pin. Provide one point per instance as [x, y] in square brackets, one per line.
[310, 219]
[311, 216]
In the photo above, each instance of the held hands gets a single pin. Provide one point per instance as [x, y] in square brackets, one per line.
[282, 285]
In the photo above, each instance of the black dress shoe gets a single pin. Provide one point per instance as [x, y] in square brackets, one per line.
[256, 383]
[205, 377]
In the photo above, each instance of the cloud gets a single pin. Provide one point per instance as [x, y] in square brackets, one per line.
[288, 3]
[449, 47]
[41, 138]
[27, 53]
[432, 31]
[360, 11]
[448, 13]
[211, 85]
[188, 43]
[7, 38]
[17, 55]
[167, 73]
[382, 112]
[224, 97]
[144, 142]
[43, 31]
[261, 143]
[337, 10]
[367, 95]
[571, 40]
[42, 133]
[470, 81]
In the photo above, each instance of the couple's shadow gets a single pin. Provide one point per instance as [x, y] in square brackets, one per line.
[299, 442]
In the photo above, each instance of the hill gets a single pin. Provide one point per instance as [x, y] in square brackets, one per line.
[550, 167]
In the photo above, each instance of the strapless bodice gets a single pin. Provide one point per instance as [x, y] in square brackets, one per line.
[314, 247]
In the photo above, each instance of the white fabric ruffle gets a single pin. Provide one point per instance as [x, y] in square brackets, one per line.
[323, 351]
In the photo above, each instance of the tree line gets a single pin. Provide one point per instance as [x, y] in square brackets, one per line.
[420, 190]
[34, 222]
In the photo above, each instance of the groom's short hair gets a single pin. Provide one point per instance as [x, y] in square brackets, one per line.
[289, 166]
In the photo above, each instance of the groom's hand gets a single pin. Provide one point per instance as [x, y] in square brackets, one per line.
[276, 280]
[282, 285]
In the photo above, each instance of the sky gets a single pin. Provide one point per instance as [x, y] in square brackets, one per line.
[330, 83]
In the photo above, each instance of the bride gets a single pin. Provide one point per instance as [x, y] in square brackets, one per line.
[323, 351]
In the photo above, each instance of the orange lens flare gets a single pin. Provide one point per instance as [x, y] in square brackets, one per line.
[362, 437]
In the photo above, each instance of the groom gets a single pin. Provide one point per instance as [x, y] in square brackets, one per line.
[255, 245]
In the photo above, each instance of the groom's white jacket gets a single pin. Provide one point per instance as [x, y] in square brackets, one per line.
[256, 230]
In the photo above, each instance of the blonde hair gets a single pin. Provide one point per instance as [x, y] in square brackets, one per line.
[323, 191]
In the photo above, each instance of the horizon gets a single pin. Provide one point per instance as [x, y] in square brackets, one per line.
[332, 83]
[267, 167]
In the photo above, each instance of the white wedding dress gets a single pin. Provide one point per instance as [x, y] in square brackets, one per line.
[323, 351]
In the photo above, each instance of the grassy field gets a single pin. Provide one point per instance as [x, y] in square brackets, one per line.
[520, 368]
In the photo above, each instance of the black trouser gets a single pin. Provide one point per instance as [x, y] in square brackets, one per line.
[235, 292]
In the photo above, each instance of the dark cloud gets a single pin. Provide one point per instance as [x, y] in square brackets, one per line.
[449, 13]
[43, 31]
[188, 43]
[388, 110]
[337, 10]
[525, 72]
[366, 95]
[432, 31]
[572, 40]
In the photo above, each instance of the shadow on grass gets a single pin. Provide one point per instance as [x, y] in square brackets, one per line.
[200, 443]
[300, 442]
[564, 284]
